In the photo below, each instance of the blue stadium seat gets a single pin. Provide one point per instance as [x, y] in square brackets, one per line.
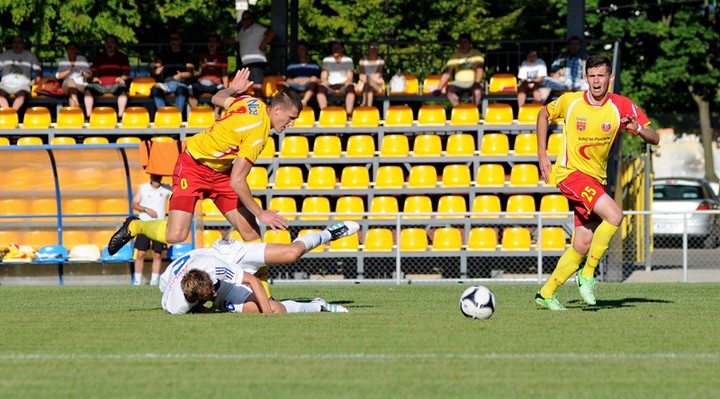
[51, 254]
[177, 250]
[125, 254]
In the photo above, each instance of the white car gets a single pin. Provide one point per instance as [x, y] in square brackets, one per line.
[685, 195]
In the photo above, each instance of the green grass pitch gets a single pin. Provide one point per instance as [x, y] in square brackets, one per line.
[410, 341]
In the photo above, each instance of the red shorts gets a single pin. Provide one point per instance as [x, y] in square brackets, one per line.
[582, 192]
[193, 181]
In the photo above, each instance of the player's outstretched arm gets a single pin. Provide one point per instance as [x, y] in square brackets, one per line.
[261, 298]
[239, 84]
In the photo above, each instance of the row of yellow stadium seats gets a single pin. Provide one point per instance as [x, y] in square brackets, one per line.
[398, 146]
[80, 177]
[352, 207]
[106, 118]
[443, 239]
[69, 206]
[393, 177]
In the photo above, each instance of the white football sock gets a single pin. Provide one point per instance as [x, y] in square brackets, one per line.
[314, 240]
[154, 278]
[137, 278]
[301, 307]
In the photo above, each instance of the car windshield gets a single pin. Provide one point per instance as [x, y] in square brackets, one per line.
[676, 192]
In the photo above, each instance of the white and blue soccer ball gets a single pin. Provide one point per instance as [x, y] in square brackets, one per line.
[477, 302]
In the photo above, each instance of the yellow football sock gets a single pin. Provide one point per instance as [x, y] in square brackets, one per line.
[152, 229]
[599, 245]
[567, 265]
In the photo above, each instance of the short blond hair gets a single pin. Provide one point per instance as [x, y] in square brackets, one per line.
[197, 284]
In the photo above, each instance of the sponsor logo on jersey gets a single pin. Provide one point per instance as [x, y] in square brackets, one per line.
[253, 106]
[606, 127]
[580, 124]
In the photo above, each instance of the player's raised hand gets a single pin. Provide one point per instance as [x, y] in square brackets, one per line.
[242, 81]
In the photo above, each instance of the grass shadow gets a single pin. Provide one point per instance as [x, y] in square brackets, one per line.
[615, 303]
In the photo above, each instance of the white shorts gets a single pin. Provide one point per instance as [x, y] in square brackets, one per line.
[15, 83]
[231, 297]
[250, 257]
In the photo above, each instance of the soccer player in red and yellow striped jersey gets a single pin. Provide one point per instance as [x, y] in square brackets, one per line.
[593, 120]
[216, 164]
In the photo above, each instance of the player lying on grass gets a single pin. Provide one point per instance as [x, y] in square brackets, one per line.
[223, 275]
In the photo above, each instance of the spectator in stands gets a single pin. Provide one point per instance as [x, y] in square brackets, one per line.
[337, 77]
[213, 75]
[466, 67]
[303, 75]
[370, 79]
[111, 72]
[150, 199]
[566, 72]
[73, 71]
[224, 274]
[18, 65]
[200, 172]
[254, 40]
[595, 118]
[173, 70]
[530, 76]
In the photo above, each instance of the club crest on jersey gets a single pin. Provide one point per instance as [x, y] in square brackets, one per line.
[606, 127]
[253, 106]
[580, 124]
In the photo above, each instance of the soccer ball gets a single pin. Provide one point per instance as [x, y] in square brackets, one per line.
[477, 302]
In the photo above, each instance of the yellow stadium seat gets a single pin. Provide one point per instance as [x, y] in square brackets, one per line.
[4, 141]
[378, 240]
[502, 83]
[350, 243]
[516, 239]
[288, 178]
[103, 118]
[354, 177]
[365, 117]
[456, 175]
[427, 145]
[306, 119]
[8, 237]
[57, 140]
[482, 239]
[257, 179]
[360, 146]
[389, 176]
[464, 115]
[95, 140]
[107, 206]
[315, 205]
[36, 118]
[417, 204]
[399, 116]
[447, 239]
[552, 205]
[451, 204]
[431, 115]
[553, 239]
[383, 204]
[29, 140]
[528, 113]
[524, 175]
[14, 206]
[519, 205]
[498, 114]
[326, 146]
[40, 238]
[163, 139]
[269, 85]
[412, 87]
[168, 117]
[141, 86]
[135, 118]
[277, 237]
[268, 152]
[127, 140]
[332, 117]
[8, 118]
[525, 144]
[394, 146]
[490, 175]
[484, 204]
[79, 206]
[294, 147]
[320, 248]
[413, 239]
[321, 178]
[200, 117]
[555, 144]
[460, 145]
[209, 237]
[422, 176]
[284, 206]
[430, 84]
[349, 208]
[494, 144]
[72, 238]
[70, 118]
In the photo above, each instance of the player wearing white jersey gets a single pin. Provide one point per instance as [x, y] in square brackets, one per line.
[223, 274]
